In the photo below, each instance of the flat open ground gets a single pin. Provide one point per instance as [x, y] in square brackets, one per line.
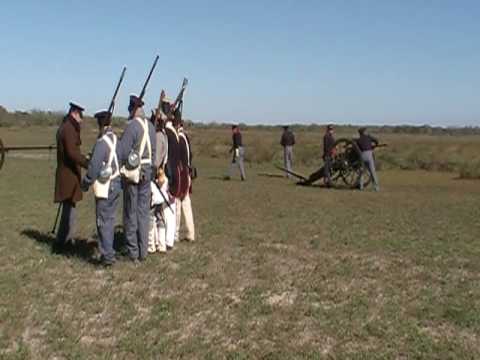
[277, 272]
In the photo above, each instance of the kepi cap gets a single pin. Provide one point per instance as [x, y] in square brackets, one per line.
[135, 102]
[75, 106]
[102, 114]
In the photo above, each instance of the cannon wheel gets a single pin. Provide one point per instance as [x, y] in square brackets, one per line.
[348, 165]
[2, 154]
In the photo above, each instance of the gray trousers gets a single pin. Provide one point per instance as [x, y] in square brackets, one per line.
[369, 164]
[288, 159]
[136, 217]
[238, 162]
[105, 214]
[67, 223]
[327, 170]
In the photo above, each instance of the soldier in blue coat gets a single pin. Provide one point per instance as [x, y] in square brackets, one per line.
[104, 174]
[138, 141]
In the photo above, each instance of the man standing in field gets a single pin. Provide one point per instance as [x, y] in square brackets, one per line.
[137, 150]
[328, 153]
[172, 165]
[183, 203]
[287, 141]
[104, 174]
[366, 143]
[68, 175]
[238, 153]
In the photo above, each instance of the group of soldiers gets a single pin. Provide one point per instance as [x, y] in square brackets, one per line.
[365, 144]
[151, 163]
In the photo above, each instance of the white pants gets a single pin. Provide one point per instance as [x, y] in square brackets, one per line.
[162, 229]
[185, 207]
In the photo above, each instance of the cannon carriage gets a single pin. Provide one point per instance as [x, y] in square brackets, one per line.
[346, 167]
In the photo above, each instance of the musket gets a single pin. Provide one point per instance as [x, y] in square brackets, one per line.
[179, 99]
[142, 93]
[112, 103]
[163, 196]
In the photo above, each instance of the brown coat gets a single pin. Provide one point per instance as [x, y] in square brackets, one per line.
[69, 161]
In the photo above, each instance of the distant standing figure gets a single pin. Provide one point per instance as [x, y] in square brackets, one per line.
[287, 141]
[68, 174]
[366, 143]
[238, 154]
[328, 153]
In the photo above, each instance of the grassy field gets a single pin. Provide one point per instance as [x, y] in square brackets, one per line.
[278, 271]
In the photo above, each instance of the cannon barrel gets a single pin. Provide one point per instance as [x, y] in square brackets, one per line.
[6, 149]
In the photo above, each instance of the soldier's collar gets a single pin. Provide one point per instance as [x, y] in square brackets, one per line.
[74, 122]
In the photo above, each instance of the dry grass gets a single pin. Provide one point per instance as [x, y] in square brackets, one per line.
[278, 272]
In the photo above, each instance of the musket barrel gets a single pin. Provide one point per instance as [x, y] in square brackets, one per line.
[142, 93]
[28, 147]
[112, 103]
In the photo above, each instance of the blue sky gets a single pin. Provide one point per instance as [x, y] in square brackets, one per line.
[273, 62]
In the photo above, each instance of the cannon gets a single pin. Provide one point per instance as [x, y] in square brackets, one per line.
[5, 149]
[346, 166]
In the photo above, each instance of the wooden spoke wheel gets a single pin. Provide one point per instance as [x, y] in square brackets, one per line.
[2, 154]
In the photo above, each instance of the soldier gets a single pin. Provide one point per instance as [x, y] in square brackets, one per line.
[103, 173]
[366, 143]
[183, 202]
[171, 169]
[158, 215]
[137, 150]
[287, 141]
[328, 153]
[238, 153]
[68, 174]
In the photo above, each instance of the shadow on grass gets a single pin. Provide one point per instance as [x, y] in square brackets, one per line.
[325, 187]
[216, 177]
[85, 249]
[280, 176]
[224, 178]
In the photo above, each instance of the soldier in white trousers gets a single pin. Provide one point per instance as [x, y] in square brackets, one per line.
[184, 204]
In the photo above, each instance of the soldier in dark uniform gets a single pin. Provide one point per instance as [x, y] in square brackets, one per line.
[328, 153]
[68, 175]
[104, 174]
[287, 141]
[183, 202]
[366, 143]
[139, 131]
[172, 166]
[172, 163]
[238, 154]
